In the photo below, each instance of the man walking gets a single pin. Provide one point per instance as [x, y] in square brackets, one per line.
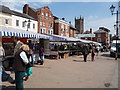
[85, 51]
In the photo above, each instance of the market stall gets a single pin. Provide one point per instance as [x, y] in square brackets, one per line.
[8, 36]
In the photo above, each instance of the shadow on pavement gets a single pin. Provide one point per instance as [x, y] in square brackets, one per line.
[77, 61]
[80, 60]
[108, 55]
[8, 87]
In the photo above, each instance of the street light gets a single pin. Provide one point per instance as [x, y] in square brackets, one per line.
[112, 8]
[28, 24]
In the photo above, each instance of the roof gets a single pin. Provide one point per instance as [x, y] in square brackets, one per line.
[22, 15]
[100, 31]
[105, 29]
[71, 26]
[5, 9]
[38, 9]
[87, 32]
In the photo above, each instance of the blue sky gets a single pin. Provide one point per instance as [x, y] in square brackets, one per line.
[96, 14]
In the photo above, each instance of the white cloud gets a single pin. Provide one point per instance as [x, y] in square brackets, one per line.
[106, 22]
[17, 4]
[92, 17]
[13, 4]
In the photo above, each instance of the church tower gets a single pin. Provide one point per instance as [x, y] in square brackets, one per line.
[79, 25]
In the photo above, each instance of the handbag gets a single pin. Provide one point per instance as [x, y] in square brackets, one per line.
[29, 65]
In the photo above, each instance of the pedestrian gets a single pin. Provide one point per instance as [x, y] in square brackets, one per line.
[41, 55]
[93, 53]
[19, 65]
[85, 51]
[30, 53]
[104, 48]
[18, 44]
[97, 50]
[2, 54]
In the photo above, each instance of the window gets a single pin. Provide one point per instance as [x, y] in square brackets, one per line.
[62, 29]
[66, 27]
[99, 35]
[6, 21]
[17, 22]
[28, 25]
[33, 26]
[51, 24]
[49, 31]
[40, 22]
[71, 32]
[23, 24]
[43, 31]
[99, 39]
[50, 17]
[67, 34]
[42, 14]
[66, 30]
[46, 15]
[44, 23]
[62, 26]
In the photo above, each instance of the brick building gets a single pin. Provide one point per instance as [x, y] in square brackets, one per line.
[61, 27]
[102, 36]
[72, 31]
[87, 35]
[44, 17]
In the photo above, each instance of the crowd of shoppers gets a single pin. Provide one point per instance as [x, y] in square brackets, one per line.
[24, 60]
[22, 63]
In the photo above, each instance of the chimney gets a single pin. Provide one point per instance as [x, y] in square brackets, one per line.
[91, 30]
[63, 18]
[25, 8]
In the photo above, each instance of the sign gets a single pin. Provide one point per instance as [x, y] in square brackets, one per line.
[85, 35]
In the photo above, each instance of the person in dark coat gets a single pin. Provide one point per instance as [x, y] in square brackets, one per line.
[30, 53]
[85, 51]
[41, 55]
[19, 65]
[93, 53]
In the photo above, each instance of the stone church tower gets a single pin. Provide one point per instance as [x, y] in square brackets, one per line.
[79, 25]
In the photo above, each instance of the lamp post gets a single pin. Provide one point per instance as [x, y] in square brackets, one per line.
[28, 23]
[112, 8]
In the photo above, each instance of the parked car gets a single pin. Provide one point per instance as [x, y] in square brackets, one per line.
[113, 48]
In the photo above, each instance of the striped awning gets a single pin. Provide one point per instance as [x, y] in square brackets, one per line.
[8, 31]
